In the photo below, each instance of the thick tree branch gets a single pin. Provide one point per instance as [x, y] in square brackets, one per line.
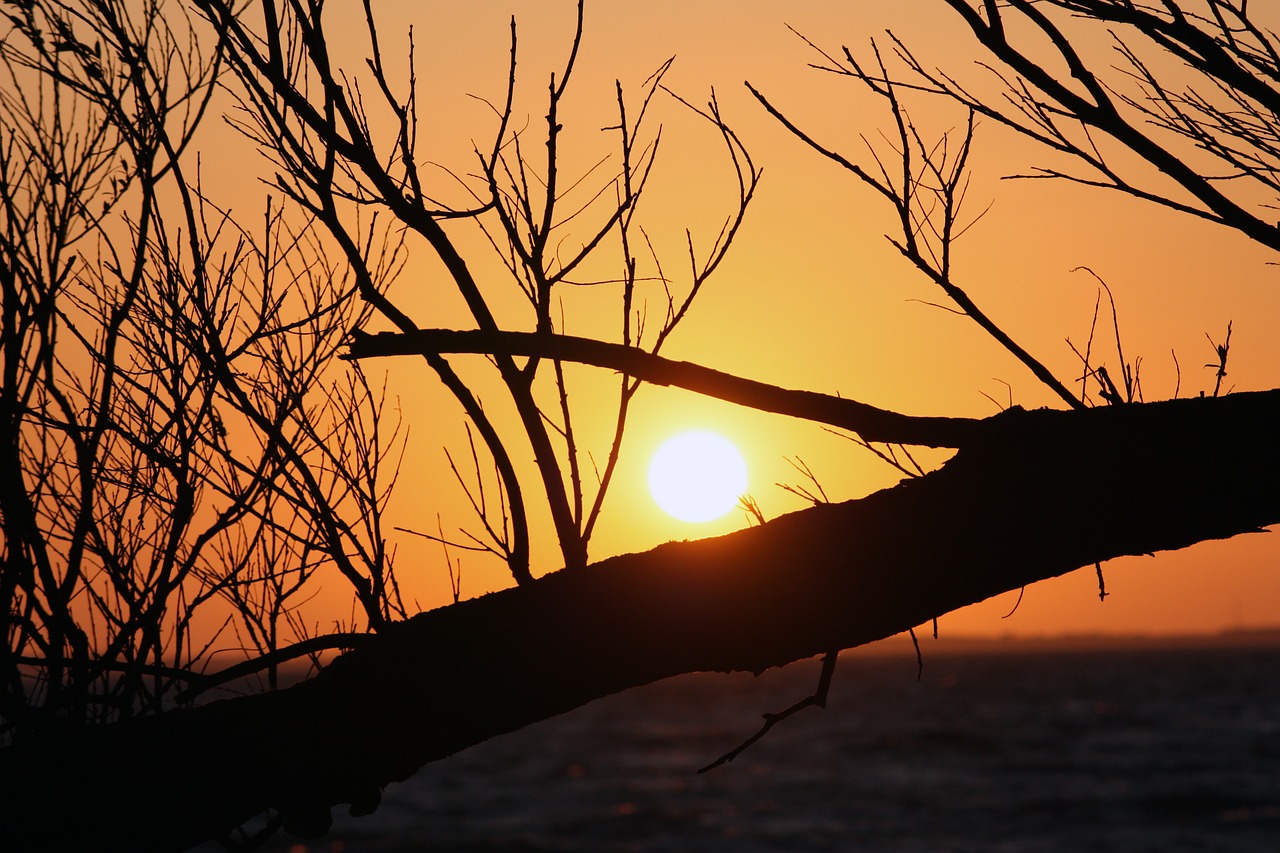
[871, 423]
[1035, 495]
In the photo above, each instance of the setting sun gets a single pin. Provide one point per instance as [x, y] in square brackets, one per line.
[697, 476]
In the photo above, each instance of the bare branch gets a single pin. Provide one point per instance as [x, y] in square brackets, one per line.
[868, 421]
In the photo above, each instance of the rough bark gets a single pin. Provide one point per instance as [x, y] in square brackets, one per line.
[1031, 496]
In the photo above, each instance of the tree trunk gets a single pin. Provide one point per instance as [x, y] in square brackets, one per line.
[1033, 495]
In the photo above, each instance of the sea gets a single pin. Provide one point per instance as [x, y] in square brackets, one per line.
[1083, 744]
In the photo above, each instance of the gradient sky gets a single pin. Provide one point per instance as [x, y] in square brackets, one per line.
[814, 297]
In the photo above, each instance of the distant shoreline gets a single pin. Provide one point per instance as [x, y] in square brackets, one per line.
[1017, 644]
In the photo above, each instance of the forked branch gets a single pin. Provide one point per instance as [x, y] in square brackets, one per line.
[926, 189]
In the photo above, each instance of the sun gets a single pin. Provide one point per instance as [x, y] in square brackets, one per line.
[697, 476]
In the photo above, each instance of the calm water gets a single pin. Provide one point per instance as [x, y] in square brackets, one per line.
[1022, 749]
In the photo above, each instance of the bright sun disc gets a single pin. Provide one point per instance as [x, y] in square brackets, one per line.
[697, 476]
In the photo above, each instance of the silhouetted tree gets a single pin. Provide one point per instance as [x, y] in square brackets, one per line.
[143, 328]
[180, 462]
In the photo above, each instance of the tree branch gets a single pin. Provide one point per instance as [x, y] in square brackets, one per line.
[1033, 495]
[1101, 112]
[872, 423]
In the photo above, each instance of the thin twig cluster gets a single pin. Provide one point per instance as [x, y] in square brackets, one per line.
[180, 467]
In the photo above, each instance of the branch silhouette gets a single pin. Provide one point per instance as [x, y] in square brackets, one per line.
[182, 464]
[870, 422]
[1034, 495]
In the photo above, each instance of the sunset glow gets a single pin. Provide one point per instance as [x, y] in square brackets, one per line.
[811, 297]
[697, 476]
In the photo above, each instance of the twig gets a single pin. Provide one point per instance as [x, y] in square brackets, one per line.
[1223, 350]
[819, 698]
[1021, 592]
[814, 497]
[751, 507]
[915, 641]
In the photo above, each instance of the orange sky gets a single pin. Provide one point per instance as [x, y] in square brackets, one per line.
[814, 297]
